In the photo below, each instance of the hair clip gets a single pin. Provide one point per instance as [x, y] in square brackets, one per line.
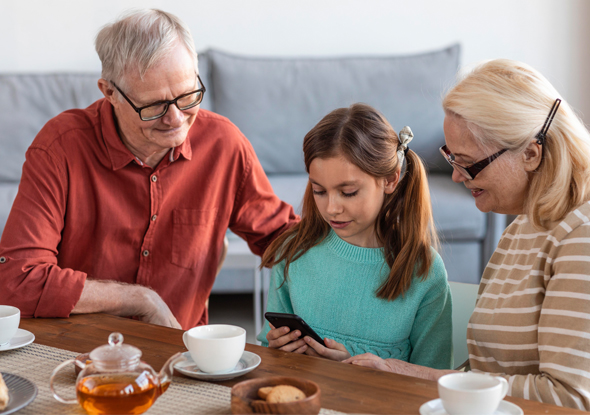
[405, 136]
[542, 135]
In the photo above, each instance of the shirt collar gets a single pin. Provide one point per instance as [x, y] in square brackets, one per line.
[119, 154]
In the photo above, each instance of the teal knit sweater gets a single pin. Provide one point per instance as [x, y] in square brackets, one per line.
[332, 287]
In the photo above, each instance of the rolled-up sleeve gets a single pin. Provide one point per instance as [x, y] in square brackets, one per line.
[30, 277]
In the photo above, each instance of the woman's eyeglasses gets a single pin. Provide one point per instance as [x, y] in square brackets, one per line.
[469, 171]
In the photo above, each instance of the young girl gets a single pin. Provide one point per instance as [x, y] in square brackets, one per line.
[359, 267]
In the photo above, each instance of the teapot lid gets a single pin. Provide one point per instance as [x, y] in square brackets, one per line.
[115, 355]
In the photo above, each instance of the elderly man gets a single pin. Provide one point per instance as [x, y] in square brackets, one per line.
[123, 206]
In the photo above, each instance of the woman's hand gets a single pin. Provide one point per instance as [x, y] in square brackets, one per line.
[285, 340]
[333, 350]
[397, 366]
[372, 361]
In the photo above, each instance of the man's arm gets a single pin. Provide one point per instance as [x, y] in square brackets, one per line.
[259, 216]
[30, 277]
[124, 300]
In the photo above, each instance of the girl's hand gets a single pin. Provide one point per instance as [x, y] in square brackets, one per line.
[282, 339]
[333, 350]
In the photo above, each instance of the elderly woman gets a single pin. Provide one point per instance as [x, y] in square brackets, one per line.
[520, 150]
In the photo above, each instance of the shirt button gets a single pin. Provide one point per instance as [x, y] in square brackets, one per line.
[154, 178]
[154, 217]
[146, 252]
[2, 260]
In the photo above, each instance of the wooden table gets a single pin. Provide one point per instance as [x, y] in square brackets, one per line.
[345, 388]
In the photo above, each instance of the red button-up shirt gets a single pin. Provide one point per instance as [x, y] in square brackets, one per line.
[87, 209]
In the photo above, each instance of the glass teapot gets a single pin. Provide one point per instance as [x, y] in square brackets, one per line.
[115, 381]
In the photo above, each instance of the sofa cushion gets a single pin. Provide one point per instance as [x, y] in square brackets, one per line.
[205, 75]
[276, 101]
[290, 188]
[27, 102]
[462, 261]
[7, 195]
[455, 215]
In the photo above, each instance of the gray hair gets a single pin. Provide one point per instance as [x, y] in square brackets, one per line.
[138, 40]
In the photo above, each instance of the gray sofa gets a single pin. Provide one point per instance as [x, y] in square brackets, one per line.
[275, 101]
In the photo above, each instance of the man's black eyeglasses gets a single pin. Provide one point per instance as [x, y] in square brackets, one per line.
[158, 109]
[469, 171]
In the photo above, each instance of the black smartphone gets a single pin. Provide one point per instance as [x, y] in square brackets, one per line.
[294, 322]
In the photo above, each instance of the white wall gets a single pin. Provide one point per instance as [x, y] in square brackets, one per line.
[42, 35]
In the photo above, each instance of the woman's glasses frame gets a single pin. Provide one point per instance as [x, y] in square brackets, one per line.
[469, 171]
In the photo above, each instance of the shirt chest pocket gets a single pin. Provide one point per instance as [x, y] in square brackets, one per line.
[193, 233]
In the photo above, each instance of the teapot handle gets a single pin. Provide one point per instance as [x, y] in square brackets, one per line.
[57, 369]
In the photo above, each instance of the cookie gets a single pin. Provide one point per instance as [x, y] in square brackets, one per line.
[3, 394]
[263, 392]
[284, 393]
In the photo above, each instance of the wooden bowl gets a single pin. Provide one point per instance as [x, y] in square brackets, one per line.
[245, 400]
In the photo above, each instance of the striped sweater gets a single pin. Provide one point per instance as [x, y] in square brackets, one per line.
[531, 323]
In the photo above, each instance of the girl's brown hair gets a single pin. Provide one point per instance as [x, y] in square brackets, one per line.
[404, 226]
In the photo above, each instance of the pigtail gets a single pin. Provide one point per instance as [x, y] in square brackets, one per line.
[407, 229]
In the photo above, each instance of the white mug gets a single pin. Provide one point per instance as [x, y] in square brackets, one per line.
[9, 321]
[215, 348]
[471, 393]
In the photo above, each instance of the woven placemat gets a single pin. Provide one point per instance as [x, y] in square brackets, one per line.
[35, 362]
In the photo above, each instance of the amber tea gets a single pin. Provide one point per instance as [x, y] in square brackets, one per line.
[120, 394]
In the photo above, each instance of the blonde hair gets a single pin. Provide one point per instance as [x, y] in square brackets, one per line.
[138, 40]
[504, 104]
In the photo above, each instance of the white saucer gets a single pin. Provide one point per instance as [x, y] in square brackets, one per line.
[435, 407]
[248, 362]
[20, 339]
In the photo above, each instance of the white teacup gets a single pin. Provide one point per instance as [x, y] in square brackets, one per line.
[471, 393]
[9, 321]
[215, 348]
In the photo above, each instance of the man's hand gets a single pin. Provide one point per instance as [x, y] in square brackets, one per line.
[125, 300]
[154, 310]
